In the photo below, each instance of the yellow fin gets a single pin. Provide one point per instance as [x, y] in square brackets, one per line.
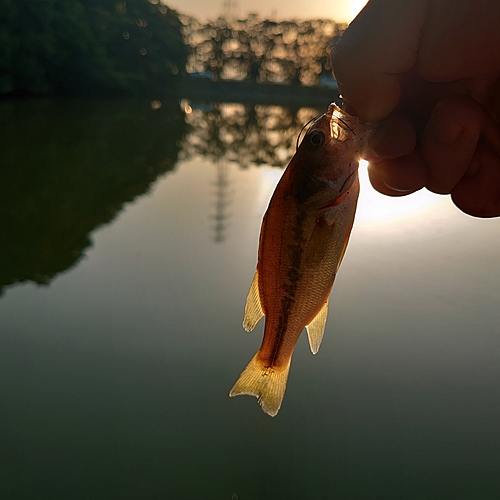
[253, 308]
[266, 383]
[316, 328]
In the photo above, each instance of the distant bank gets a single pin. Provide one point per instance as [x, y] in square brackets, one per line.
[253, 93]
[204, 91]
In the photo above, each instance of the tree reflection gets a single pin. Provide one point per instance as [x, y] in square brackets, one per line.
[242, 134]
[245, 134]
[69, 166]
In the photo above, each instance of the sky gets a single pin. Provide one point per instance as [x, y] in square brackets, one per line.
[338, 10]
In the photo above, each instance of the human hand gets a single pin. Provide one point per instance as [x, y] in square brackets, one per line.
[429, 72]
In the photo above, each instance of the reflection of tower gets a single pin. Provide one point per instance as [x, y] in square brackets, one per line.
[230, 9]
[221, 200]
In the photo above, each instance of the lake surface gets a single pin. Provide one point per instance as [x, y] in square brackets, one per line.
[128, 242]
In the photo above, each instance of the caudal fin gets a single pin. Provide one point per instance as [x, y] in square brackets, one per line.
[266, 383]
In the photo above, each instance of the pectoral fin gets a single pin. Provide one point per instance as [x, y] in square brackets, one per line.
[318, 243]
[253, 308]
[316, 328]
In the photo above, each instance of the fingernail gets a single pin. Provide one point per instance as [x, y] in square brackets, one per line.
[398, 190]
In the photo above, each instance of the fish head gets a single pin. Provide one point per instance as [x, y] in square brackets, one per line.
[326, 162]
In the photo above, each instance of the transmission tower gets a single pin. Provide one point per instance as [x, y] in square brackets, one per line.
[230, 9]
[222, 200]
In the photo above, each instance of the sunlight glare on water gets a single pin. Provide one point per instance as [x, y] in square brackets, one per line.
[376, 208]
[269, 178]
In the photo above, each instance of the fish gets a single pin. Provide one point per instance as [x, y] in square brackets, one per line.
[303, 238]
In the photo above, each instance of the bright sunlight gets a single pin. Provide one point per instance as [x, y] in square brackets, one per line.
[356, 6]
[374, 207]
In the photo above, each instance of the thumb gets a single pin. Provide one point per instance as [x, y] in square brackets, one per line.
[377, 47]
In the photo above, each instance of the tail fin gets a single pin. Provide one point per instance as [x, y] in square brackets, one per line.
[267, 383]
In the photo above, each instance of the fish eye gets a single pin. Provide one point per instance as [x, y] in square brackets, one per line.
[316, 138]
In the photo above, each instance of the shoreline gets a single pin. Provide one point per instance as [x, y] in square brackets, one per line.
[206, 91]
[257, 93]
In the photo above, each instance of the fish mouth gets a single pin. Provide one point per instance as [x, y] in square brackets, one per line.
[338, 120]
[335, 122]
[332, 109]
[333, 115]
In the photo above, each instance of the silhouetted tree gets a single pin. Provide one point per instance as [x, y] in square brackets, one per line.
[261, 50]
[78, 46]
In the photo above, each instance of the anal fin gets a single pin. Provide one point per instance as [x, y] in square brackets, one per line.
[253, 308]
[316, 328]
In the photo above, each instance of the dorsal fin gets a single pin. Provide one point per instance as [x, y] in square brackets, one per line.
[253, 308]
[316, 328]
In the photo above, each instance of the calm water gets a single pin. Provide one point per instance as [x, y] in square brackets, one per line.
[128, 242]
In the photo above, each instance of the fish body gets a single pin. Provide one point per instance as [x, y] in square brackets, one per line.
[304, 234]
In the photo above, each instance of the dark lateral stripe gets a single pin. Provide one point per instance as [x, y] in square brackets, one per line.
[289, 288]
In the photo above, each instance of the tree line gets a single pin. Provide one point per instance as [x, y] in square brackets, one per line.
[294, 52]
[88, 46]
[132, 46]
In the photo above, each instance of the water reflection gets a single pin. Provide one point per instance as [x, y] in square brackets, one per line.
[222, 200]
[69, 166]
[115, 378]
[245, 134]
[375, 210]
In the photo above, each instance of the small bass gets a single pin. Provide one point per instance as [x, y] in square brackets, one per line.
[303, 238]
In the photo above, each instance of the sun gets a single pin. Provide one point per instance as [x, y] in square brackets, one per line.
[355, 6]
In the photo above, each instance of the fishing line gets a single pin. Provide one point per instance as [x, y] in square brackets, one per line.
[345, 124]
[302, 130]
[337, 119]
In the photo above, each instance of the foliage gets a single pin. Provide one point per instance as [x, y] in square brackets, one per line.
[261, 50]
[78, 46]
